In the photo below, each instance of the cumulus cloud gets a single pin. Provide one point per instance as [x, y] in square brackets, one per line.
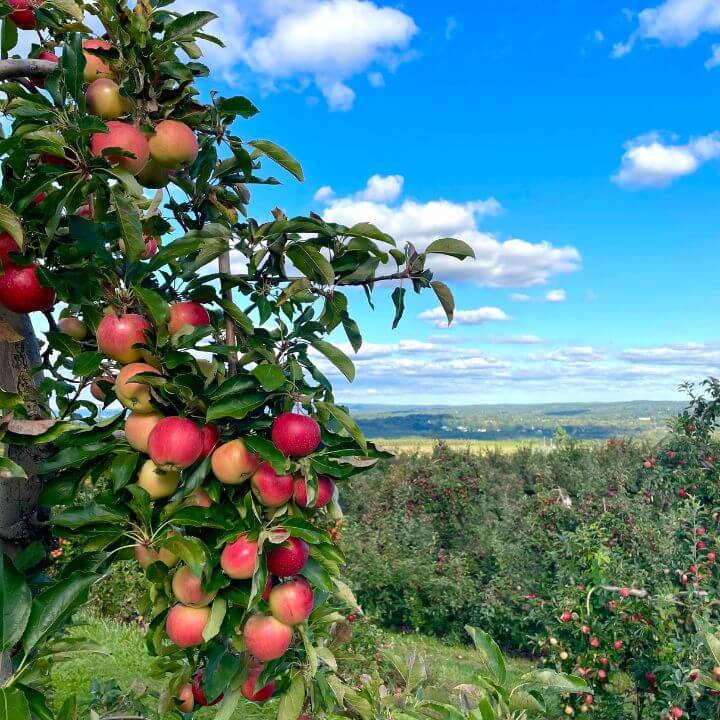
[702, 354]
[324, 194]
[480, 316]
[649, 161]
[555, 296]
[498, 263]
[302, 43]
[572, 354]
[673, 23]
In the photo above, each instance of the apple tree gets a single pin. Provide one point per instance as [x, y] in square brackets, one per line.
[176, 410]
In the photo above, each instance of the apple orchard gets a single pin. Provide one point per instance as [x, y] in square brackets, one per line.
[180, 416]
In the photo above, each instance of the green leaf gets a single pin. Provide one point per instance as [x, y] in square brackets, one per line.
[10, 400]
[240, 318]
[489, 648]
[87, 363]
[267, 451]
[63, 343]
[122, 469]
[190, 550]
[271, 377]
[55, 605]
[38, 703]
[217, 615]
[69, 7]
[13, 705]
[346, 421]
[15, 603]
[9, 468]
[281, 156]
[10, 223]
[229, 704]
[713, 643]
[309, 261]
[293, 700]
[451, 246]
[90, 514]
[236, 407]
[128, 218]
[554, 681]
[398, 298]
[187, 24]
[445, 296]
[156, 305]
[72, 65]
[237, 105]
[368, 230]
[9, 38]
[337, 357]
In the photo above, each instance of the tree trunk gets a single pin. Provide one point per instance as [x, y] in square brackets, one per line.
[19, 354]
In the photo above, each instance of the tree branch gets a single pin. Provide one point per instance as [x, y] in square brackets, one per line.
[28, 67]
[230, 335]
[402, 275]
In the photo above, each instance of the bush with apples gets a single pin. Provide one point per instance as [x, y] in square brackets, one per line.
[216, 459]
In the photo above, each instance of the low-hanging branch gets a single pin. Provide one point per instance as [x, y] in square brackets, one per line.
[24, 68]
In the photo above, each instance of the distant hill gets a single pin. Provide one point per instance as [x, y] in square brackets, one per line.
[587, 421]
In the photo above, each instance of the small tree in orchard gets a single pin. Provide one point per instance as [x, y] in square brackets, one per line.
[217, 462]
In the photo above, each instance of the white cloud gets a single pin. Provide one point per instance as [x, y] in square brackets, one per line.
[498, 263]
[324, 194]
[648, 161]
[673, 23]
[520, 297]
[714, 60]
[572, 355]
[702, 354]
[382, 189]
[515, 340]
[555, 296]
[376, 79]
[480, 316]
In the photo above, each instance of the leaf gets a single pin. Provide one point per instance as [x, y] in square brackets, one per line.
[190, 550]
[128, 219]
[156, 304]
[554, 681]
[53, 606]
[237, 105]
[271, 377]
[240, 318]
[344, 593]
[489, 648]
[227, 707]
[91, 514]
[9, 468]
[451, 246]
[236, 407]
[10, 223]
[368, 230]
[398, 298]
[309, 261]
[310, 651]
[293, 700]
[346, 421]
[8, 37]
[69, 7]
[187, 24]
[122, 469]
[337, 357]
[217, 615]
[445, 296]
[15, 603]
[72, 65]
[281, 156]
[713, 643]
[87, 363]
[13, 705]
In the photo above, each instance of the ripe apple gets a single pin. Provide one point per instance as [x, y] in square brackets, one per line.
[268, 588]
[676, 712]
[289, 558]
[199, 694]
[138, 427]
[175, 443]
[117, 335]
[44, 55]
[594, 642]
[73, 327]
[85, 211]
[21, 291]
[248, 688]
[151, 246]
[185, 699]
[7, 245]
[325, 490]
[173, 144]
[295, 435]
[271, 489]
[185, 625]
[239, 558]
[96, 389]
[187, 588]
[23, 14]
[233, 463]
[624, 592]
[291, 602]
[618, 645]
[153, 176]
[103, 99]
[157, 483]
[126, 137]
[266, 638]
[146, 556]
[199, 498]
[566, 617]
[211, 435]
[187, 313]
[95, 66]
[135, 395]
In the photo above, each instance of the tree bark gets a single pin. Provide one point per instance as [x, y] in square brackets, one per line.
[28, 67]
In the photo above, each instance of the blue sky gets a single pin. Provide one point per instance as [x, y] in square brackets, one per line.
[575, 145]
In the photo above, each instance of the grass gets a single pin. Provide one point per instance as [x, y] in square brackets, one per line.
[127, 662]
[425, 446]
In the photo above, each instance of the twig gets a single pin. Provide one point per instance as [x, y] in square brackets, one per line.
[27, 67]
[230, 334]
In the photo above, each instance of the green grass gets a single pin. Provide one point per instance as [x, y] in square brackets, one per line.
[425, 446]
[127, 662]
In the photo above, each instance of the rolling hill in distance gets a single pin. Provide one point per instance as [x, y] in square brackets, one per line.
[584, 421]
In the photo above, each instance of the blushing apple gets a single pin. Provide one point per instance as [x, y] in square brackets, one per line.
[211, 436]
[295, 435]
[23, 14]
[95, 66]
[135, 395]
[175, 443]
[266, 638]
[73, 327]
[271, 489]
[103, 99]
[289, 558]
[239, 558]
[146, 555]
[138, 427]
[249, 687]
[185, 699]
[233, 464]
[199, 498]
[153, 176]
[21, 291]
[173, 144]
[96, 389]
[117, 335]
[185, 625]
[187, 313]
[325, 490]
[291, 602]
[39, 81]
[187, 588]
[199, 693]
[126, 137]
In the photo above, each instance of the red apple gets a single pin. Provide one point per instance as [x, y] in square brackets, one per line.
[271, 489]
[175, 443]
[289, 558]
[135, 395]
[95, 66]
[117, 335]
[126, 137]
[266, 638]
[7, 245]
[21, 291]
[325, 490]
[185, 625]
[157, 483]
[199, 693]
[233, 463]
[249, 687]
[187, 588]
[566, 617]
[96, 389]
[138, 427]
[295, 435]
[23, 14]
[199, 498]
[73, 327]
[187, 313]
[211, 435]
[291, 602]
[151, 246]
[239, 558]
[39, 81]
[173, 144]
